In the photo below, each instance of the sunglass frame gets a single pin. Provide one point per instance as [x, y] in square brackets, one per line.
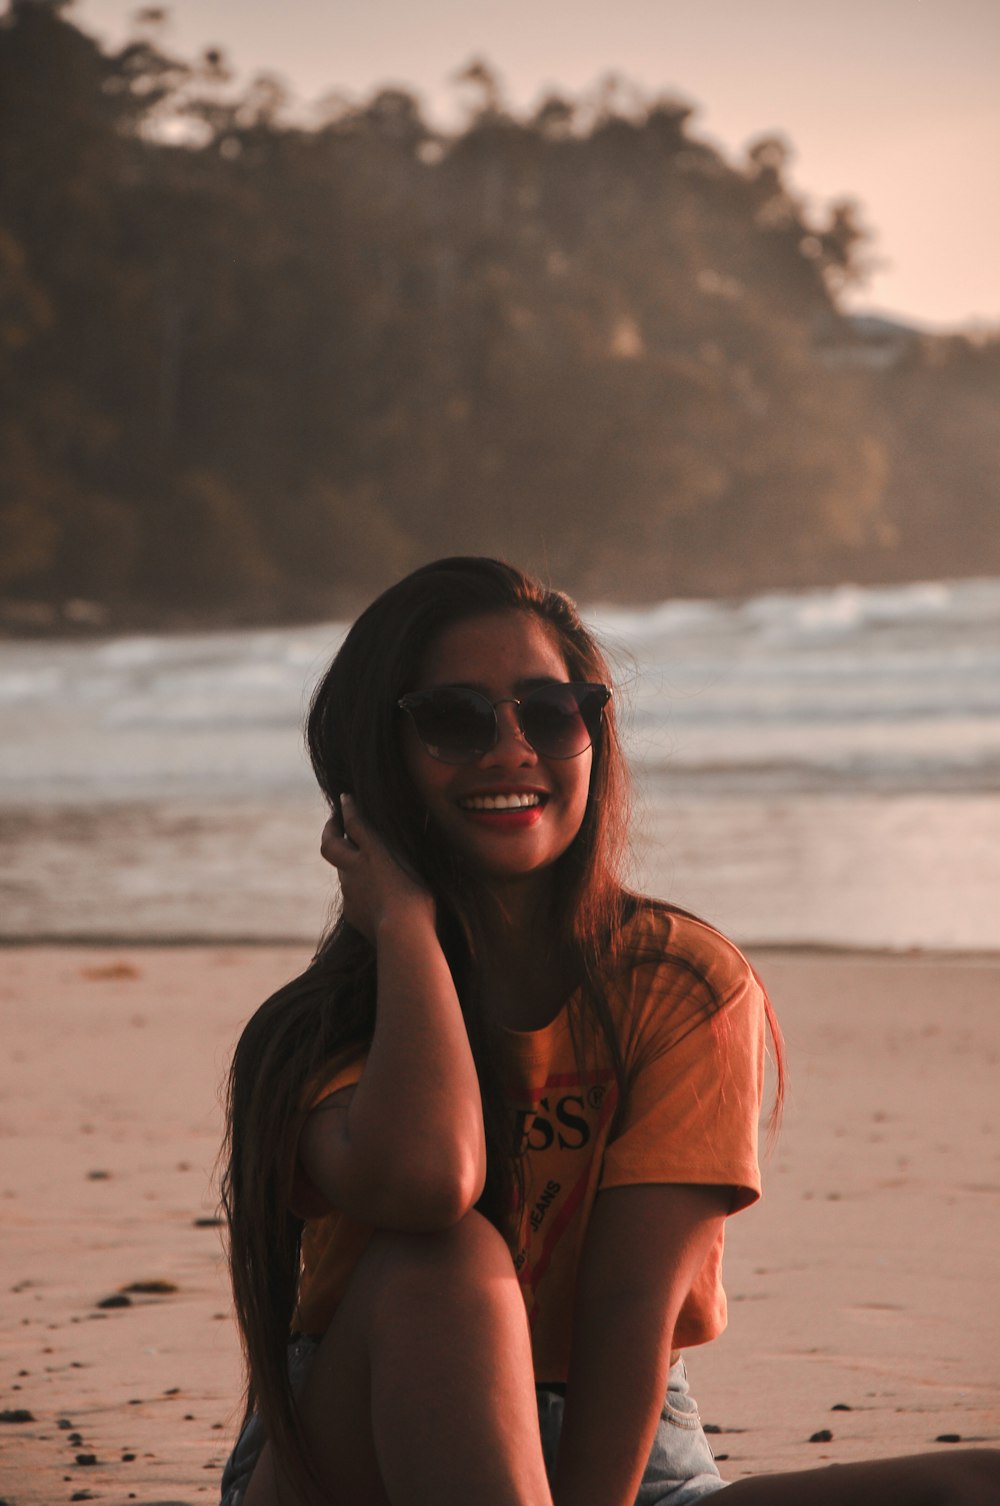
[411, 703]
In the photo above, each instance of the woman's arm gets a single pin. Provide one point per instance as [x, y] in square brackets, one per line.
[644, 1247]
[405, 1150]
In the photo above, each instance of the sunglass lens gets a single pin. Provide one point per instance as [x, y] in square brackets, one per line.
[560, 720]
[455, 726]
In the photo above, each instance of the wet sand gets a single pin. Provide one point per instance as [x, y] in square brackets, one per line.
[862, 1290]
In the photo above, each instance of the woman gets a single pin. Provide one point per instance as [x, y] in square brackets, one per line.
[481, 1153]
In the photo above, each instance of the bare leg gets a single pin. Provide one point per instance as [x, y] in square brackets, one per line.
[422, 1390]
[965, 1477]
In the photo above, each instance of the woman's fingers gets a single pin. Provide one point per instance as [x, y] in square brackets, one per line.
[372, 880]
[335, 842]
[354, 827]
[331, 843]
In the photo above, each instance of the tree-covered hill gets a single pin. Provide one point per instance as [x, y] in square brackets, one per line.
[252, 371]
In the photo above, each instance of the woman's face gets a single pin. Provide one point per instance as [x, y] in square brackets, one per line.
[502, 656]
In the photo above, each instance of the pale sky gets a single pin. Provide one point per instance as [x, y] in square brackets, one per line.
[895, 103]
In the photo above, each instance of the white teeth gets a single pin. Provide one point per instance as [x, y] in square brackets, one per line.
[499, 802]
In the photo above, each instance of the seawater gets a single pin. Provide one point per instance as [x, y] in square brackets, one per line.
[815, 767]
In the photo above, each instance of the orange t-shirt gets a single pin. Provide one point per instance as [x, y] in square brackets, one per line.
[689, 1014]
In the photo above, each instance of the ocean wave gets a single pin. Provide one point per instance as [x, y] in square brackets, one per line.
[869, 684]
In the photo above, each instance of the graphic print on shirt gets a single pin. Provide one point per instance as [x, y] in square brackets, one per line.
[558, 1127]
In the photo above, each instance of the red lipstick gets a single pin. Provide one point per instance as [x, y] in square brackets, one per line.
[510, 820]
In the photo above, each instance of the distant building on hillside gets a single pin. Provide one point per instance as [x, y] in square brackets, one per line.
[868, 340]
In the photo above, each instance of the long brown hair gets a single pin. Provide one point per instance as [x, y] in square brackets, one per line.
[353, 740]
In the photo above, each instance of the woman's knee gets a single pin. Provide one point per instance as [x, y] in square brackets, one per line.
[469, 1247]
[975, 1477]
[470, 1256]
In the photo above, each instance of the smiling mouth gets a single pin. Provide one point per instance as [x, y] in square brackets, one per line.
[507, 802]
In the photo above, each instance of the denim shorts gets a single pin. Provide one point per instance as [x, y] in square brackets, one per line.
[240, 1464]
[679, 1471]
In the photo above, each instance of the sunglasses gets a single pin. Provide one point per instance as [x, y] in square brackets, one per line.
[458, 726]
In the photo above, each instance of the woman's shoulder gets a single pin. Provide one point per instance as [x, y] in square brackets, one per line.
[683, 950]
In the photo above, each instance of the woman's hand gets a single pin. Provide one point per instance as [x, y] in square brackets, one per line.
[373, 883]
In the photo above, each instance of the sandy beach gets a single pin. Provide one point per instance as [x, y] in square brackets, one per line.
[862, 1290]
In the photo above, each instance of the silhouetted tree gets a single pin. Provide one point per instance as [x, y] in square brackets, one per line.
[254, 370]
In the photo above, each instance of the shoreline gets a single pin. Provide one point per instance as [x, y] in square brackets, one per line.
[985, 956]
